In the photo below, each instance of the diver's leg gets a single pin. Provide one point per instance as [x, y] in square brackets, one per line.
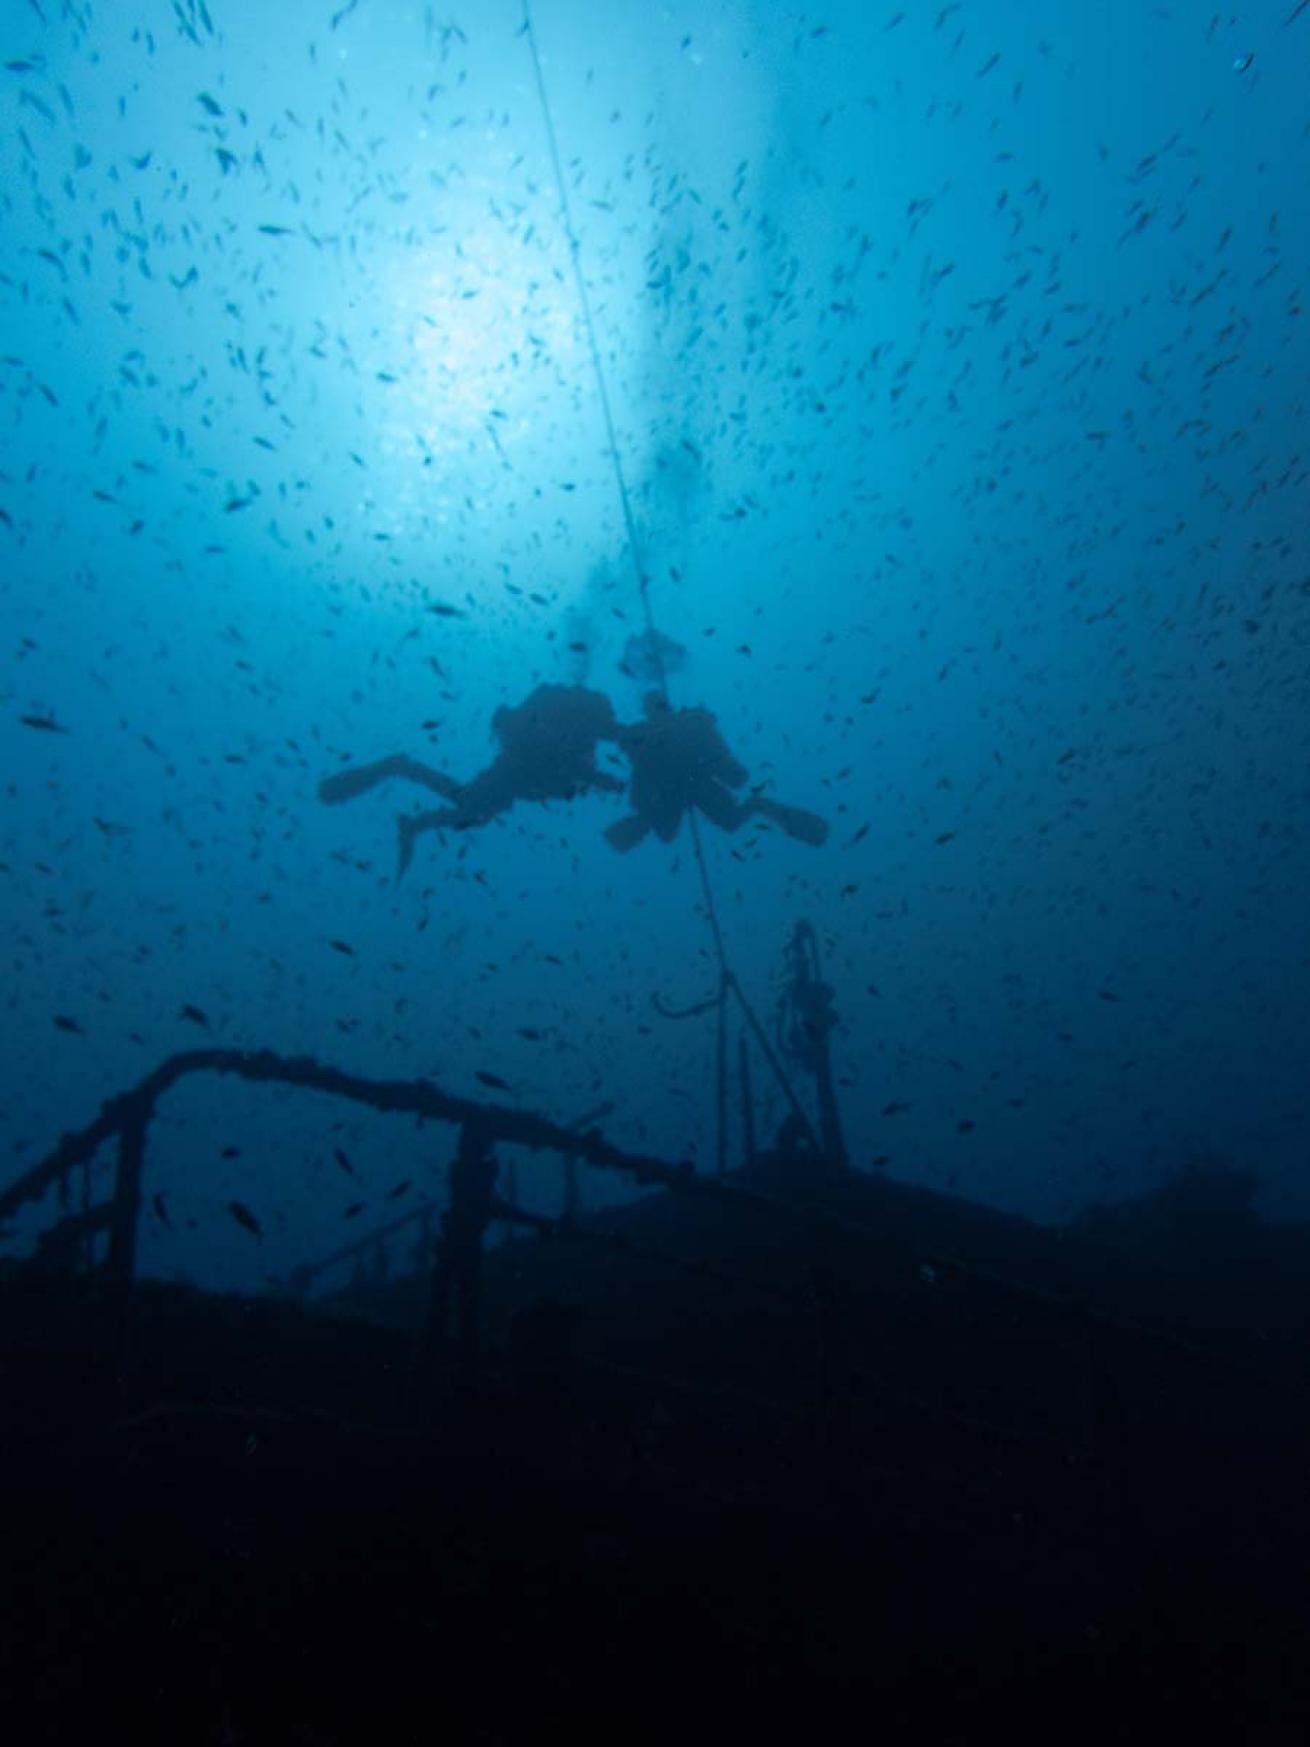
[721, 808]
[410, 826]
[730, 814]
[795, 821]
[358, 779]
[427, 778]
[492, 791]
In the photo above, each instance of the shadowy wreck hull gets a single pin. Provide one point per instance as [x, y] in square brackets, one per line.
[801, 1455]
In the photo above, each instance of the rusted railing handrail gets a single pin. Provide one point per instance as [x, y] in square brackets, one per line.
[400, 1097]
[126, 1116]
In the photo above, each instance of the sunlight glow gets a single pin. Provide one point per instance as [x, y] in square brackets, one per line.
[489, 337]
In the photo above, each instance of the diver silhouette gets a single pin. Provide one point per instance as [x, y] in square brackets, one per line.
[679, 761]
[547, 753]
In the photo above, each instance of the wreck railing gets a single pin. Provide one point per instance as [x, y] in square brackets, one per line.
[127, 1116]
[455, 1283]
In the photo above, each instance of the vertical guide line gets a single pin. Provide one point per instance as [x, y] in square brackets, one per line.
[575, 257]
[727, 980]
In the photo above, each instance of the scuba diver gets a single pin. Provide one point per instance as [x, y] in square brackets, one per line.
[679, 761]
[547, 753]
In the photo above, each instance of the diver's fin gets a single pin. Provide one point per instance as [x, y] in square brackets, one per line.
[626, 834]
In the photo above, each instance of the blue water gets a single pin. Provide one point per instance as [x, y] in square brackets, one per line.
[958, 361]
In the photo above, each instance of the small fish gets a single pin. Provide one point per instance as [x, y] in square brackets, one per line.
[399, 1190]
[208, 103]
[275, 230]
[342, 946]
[895, 1108]
[41, 107]
[356, 1207]
[492, 1080]
[195, 1015]
[966, 1125]
[161, 1212]
[243, 1216]
[230, 1152]
[46, 723]
[343, 1161]
[184, 25]
[65, 1024]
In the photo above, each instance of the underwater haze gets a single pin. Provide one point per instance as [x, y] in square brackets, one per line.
[957, 360]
